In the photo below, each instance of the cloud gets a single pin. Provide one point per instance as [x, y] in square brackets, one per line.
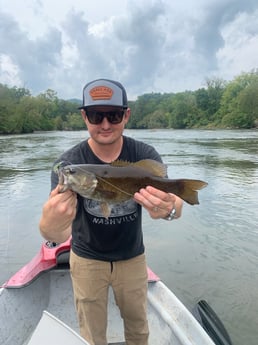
[89, 59]
[141, 34]
[240, 50]
[34, 61]
[208, 36]
[9, 73]
[158, 46]
[197, 40]
[124, 48]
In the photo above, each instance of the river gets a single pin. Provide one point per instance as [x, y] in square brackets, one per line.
[210, 253]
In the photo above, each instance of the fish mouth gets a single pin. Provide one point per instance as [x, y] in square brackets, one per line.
[63, 182]
[63, 176]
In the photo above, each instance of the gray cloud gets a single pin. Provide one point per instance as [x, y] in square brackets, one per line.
[208, 37]
[36, 60]
[161, 46]
[130, 51]
[91, 60]
[142, 35]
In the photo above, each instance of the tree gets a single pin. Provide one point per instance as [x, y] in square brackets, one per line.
[157, 119]
[144, 105]
[239, 102]
[220, 104]
[215, 90]
[184, 110]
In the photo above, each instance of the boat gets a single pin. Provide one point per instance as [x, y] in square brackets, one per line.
[37, 308]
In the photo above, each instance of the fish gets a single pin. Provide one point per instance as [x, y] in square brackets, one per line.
[118, 181]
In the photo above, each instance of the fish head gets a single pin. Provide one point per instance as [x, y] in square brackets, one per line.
[78, 180]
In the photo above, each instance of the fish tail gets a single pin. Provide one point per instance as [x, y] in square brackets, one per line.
[190, 196]
[187, 190]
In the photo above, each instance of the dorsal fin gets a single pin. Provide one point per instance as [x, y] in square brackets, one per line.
[120, 163]
[154, 167]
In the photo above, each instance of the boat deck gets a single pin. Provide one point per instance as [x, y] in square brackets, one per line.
[24, 304]
[57, 299]
[169, 321]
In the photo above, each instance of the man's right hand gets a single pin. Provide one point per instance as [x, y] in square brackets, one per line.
[57, 215]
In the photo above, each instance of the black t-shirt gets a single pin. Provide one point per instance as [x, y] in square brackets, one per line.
[118, 237]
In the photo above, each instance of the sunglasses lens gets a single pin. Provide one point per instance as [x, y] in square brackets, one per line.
[115, 116]
[96, 117]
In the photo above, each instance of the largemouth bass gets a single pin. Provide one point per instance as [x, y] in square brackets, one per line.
[117, 182]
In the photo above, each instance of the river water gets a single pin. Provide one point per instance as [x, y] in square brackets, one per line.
[210, 253]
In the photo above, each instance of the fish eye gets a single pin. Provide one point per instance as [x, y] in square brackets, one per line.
[72, 170]
[69, 170]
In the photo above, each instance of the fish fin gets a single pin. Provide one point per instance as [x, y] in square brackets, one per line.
[190, 196]
[188, 190]
[105, 209]
[154, 167]
[196, 184]
[120, 163]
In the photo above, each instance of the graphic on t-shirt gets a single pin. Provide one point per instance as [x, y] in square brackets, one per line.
[93, 207]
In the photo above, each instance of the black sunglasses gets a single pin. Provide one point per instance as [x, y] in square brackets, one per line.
[95, 117]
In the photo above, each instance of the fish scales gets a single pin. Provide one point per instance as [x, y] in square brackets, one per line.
[117, 182]
[123, 188]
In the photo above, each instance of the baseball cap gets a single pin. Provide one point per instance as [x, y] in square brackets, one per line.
[104, 92]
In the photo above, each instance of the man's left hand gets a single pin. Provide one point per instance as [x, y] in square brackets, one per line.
[158, 203]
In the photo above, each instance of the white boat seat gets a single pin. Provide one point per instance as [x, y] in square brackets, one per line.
[50, 330]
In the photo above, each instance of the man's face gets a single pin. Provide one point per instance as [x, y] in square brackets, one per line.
[105, 123]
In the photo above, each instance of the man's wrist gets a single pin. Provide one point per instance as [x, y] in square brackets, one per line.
[171, 215]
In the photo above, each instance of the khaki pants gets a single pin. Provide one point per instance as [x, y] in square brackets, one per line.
[128, 278]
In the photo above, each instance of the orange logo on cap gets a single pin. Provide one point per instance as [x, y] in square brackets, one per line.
[101, 92]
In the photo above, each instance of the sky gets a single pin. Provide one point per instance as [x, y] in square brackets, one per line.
[147, 45]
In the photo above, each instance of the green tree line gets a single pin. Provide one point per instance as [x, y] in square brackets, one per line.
[219, 104]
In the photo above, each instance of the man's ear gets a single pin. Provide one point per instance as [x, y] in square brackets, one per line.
[127, 115]
[83, 112]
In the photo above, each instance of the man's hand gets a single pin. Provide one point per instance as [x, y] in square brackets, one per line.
[57, 215]
[158, 203]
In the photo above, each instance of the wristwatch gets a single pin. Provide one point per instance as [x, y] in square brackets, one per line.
[171, 215]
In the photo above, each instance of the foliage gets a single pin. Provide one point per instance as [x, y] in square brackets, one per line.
[20, 112]
[239, 102]
[218, 105]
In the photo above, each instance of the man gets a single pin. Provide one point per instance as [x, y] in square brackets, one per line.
[106, 251]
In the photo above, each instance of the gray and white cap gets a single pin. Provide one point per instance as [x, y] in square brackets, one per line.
[104, 92]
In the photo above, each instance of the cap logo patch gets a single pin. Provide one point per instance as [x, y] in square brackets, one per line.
[101, 92]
